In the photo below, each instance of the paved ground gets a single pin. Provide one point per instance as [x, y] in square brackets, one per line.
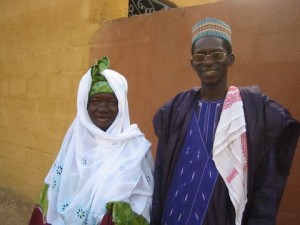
[12, 211]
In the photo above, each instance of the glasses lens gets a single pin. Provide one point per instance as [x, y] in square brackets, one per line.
[217, 56]
[199, 58]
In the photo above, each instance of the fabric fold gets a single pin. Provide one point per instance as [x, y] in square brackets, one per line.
[230, 150]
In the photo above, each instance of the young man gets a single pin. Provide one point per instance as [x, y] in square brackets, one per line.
[224, 153]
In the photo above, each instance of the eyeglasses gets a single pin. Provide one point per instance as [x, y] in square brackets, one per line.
[214, 56]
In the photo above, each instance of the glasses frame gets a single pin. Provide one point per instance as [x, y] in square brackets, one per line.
[209, 55]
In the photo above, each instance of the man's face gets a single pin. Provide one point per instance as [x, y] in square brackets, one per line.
[103, 109]
[212, 72]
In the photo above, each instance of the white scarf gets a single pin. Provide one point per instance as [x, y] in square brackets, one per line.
[230, 150]
[94, 167]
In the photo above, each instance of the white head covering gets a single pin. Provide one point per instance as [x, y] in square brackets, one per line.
[94, 167]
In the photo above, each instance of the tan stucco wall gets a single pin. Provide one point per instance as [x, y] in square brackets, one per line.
[154, 55]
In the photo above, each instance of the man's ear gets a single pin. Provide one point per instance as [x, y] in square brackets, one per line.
[231, 59]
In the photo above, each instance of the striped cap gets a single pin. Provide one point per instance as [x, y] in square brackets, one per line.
[211, 27]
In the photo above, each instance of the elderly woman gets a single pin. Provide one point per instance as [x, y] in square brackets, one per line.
[103, 171]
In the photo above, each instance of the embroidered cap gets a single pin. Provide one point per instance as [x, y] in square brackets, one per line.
[211, 27]
[99, 82]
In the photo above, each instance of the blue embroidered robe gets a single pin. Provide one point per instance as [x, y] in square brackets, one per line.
[195, 173]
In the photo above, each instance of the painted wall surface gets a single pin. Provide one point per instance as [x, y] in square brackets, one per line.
[44, 50]
[185, 3]
[153, 52]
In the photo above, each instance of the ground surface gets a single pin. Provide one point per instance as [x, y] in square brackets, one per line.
[13, 211]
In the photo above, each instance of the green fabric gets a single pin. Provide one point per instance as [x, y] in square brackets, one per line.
[99, 82]
[122, 214]
[43, 202]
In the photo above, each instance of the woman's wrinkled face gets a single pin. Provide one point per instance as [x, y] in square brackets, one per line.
[103, 109]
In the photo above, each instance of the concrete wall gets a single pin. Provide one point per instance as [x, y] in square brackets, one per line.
[153, 52]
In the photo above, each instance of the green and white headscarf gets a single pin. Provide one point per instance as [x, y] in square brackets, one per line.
[99, 82]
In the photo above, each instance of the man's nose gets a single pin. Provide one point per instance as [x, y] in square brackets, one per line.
[208, 60]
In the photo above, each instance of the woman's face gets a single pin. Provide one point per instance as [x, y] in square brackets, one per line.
[103, 109]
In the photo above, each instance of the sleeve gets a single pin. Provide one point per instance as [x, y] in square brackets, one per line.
[123, 213]
[169, 122]
[156, 202]
[144, 189]
[120, 213]
[282, 134]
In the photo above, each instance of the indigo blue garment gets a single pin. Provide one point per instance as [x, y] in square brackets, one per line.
[195, 173]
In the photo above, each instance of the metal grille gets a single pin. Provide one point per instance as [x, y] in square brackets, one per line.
[137, 7]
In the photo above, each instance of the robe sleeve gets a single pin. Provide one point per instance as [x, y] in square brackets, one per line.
[170, 124]
[156, 203]
[282, 134]
[121, 213]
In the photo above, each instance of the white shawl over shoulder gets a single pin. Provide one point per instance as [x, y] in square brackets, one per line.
[230, 151]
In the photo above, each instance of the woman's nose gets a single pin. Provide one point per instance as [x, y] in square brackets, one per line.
[103, 107]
